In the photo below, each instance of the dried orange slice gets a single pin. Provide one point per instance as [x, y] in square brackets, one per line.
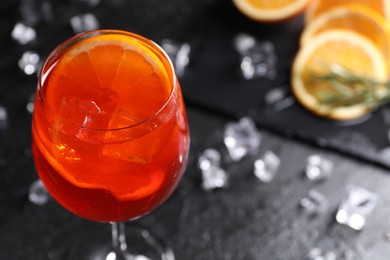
[270, 11]
[342, 48]
[357, 18]
[382, 7]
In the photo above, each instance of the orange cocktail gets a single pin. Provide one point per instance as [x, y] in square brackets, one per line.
[110, 134]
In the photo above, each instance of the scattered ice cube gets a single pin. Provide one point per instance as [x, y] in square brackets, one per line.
[38, 194]
[214, 177]
[266, 166]
[30, 103]
[179, 53]
[241, 138]
[36, 11]
[3, 118]
[314, 202]
[29, 62]
[23, 34]
[318, 254]
[258, 58]
[243, 42]
[84, 22]
[209, 158]
[278, 99]
[357, 204]
[318, 167]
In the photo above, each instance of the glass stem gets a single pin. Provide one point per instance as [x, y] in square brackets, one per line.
[119, 243]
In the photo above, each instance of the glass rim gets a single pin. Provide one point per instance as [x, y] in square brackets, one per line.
[168, 65]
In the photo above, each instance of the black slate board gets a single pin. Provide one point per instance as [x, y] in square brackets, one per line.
[214, 81]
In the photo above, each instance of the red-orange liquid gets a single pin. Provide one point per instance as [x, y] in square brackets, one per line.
[121, 173]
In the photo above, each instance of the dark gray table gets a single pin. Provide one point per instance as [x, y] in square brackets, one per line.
[250, 219]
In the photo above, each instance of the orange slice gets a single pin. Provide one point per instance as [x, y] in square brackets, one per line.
[270, 11]
[357, 18]
[382, 7]
[344, 48]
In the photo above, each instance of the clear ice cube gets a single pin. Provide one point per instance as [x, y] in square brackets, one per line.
[84, 22]
[241, 138]
[35, 11]
[317, 253]
[30, 103]
[214, 177]
[243, 42]
[29, 63]
[23, 34]
[179, 53]
[84, 115]
[355, 207]
[278, 99]
[258, 59]
[318, 167]
[209, 158]
[266, 167]
[314, 202]
[38, 194]
[4, 121]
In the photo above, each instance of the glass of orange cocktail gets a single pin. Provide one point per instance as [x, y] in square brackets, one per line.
[110, 133]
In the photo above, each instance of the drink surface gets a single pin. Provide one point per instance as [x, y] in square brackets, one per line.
[110, 136]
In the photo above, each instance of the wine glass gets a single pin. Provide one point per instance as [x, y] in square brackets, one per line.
[110, 132]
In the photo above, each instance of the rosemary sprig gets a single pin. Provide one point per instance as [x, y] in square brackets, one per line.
[348, 88]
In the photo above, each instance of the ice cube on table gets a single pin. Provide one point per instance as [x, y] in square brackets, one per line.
[314, 202]
[214, 177]
[258, 59]
[30, 103]
[209, 158]
[4, 121]
[179, 53]
[29, 63]
[266, 167]
[84, 22]
[317, 253]
[241, 138]
[38, 193]
[357, 204]
[243, 42]
[23, 34]
[318, 167]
